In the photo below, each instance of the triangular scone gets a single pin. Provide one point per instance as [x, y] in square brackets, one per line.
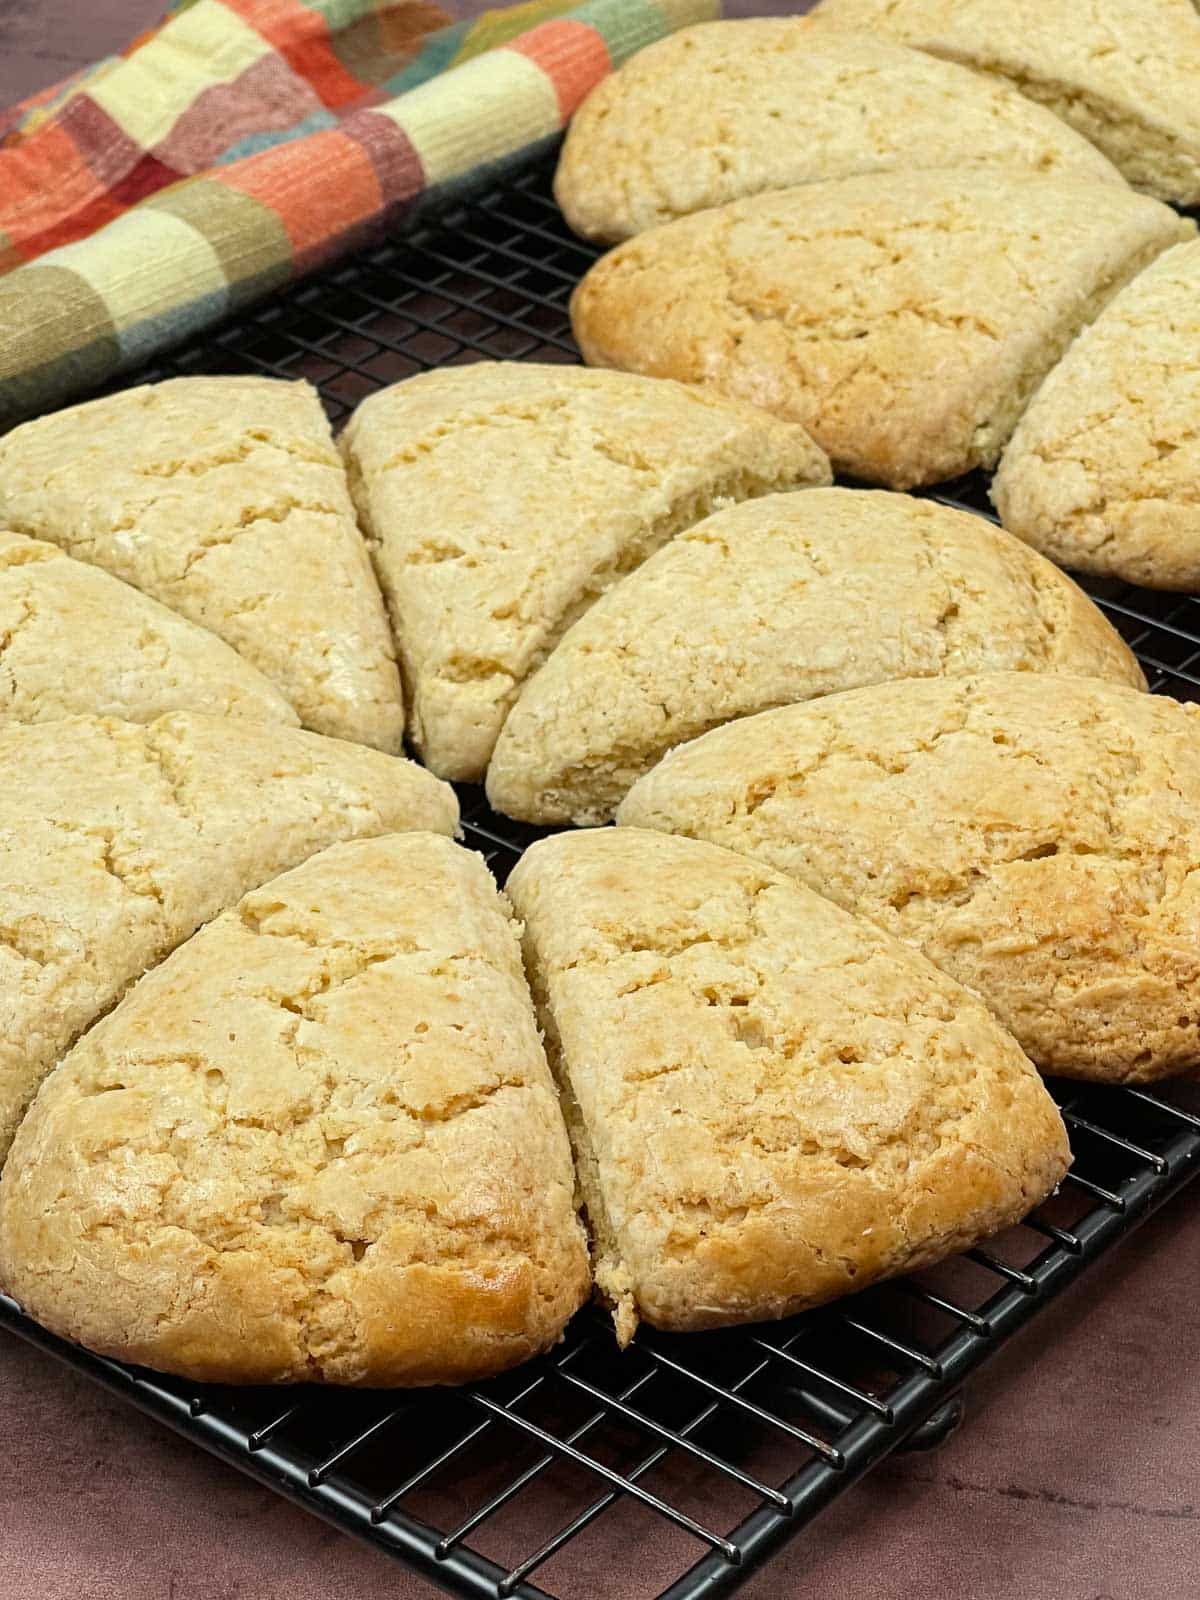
[224, 498]
[1040, 844]
[723, 110]
[74, 639]
[1123, 72]
[772, 1102]
[786, 598]
[904, 318]
[1101, 472]
[503, 498]
[117, 840]
[319, 1142]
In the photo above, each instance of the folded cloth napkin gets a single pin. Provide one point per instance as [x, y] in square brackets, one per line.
[244, 142]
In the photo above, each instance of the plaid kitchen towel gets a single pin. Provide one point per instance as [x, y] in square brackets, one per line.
[245, 142]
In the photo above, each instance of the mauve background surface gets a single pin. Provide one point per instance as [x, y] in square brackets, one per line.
[1075, 1477]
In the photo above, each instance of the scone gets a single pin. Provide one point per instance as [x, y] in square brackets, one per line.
[224, 498]
[75, 640]
[118, 840]
[904, 318]
[501, 499]
[723, 110]
[783, 599]
[771, 1102]
[320, 1142]
[1101, 472]
[1041, 845]
[1123, 72]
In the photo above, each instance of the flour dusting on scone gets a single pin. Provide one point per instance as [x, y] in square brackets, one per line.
[772, 1102]
[225, 499]
[320, 1142]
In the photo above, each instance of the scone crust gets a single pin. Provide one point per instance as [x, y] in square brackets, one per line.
[501, 499]
[224, 498]
[783, 599]
[1123, 75]
[776, 1102]
[1042, 847]
[904, 318]
[723, 110]
[76, 641]
[117, 840]
[321, 1141]
[1101, 472]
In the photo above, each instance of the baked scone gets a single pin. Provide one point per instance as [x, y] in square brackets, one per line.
[501, 499]
[1101, 472]
[320, 1142]
[75, 640]
[903, 318]
[224, 498]
[1123, 72]
[772, 1103]
[117, 840]
[723, 110]
[1041, 846]
[783, 599]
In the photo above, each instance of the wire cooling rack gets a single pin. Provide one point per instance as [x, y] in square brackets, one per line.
[721, 1445]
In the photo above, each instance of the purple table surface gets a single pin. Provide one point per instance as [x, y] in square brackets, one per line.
[1074, 1478]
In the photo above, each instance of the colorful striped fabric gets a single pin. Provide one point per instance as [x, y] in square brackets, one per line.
[244, 142]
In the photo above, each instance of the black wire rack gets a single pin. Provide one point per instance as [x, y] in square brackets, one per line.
[705, 1452]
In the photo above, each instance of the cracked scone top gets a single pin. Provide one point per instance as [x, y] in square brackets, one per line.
[117, 840]
[1042, 846]
[785, 598]
[723, 110]
[502, 498]
[1101, 472]
[1123, 72]
[772, 1102]
[225, 498]
[903, 318]
[74, 639]
[319, 1142]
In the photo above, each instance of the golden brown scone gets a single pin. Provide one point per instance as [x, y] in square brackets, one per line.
[903, 318]
[1041, 846]
[772, 1103]
[1101, 473]
[501, 499]
[782, 599]
[1122, 72]
[118, 840]
[75, 640]
[224, 498]
[320, 1142]
[724, 110]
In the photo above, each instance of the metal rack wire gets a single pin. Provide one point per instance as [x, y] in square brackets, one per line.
[727, 1444]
